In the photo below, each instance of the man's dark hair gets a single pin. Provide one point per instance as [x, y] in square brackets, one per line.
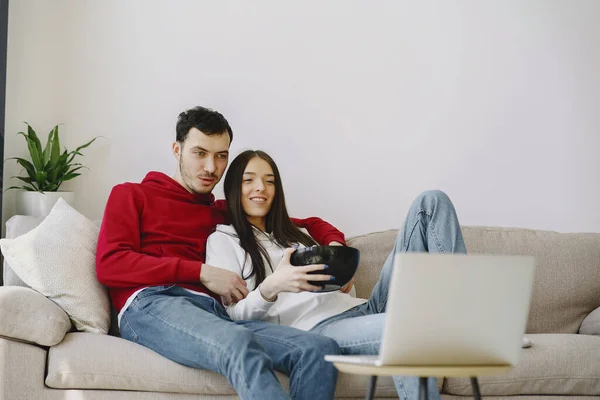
[204, 119]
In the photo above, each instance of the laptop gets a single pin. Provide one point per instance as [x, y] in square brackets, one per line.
[453, 309]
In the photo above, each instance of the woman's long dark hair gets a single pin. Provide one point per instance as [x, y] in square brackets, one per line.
[278, 221]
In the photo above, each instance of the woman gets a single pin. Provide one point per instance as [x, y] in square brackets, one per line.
[257, 247]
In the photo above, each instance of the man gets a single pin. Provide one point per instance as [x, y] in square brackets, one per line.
[150, 255]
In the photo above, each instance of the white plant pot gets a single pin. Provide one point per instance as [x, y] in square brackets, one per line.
[39, 204]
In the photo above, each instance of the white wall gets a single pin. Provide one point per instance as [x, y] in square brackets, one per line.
[363, 104]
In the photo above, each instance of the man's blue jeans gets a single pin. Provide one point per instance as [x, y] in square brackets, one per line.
[196, 331]
[430, 226]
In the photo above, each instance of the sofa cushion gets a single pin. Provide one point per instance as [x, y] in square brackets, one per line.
[21, 224]
[374, 249]
[58, 259]
[92, 361]
[591, 323]
[567, 273]
[28, 316]
[555, 364]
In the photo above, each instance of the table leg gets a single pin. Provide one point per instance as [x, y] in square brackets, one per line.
[423, 388]
[372, 385]
[475, 385]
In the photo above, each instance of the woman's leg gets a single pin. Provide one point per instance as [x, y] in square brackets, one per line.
[431, 225]
[355, 334]
[361, 334]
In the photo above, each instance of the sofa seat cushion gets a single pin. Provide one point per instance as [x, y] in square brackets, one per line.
[30, 317]
[95, 361]
[555, 364]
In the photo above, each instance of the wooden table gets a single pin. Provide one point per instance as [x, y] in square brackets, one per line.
[423, 372]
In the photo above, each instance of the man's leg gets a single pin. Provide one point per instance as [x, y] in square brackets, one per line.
[300, 355]
[186, 328]
[431, 225]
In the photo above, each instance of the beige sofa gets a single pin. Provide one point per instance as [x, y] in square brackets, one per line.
[38, 361]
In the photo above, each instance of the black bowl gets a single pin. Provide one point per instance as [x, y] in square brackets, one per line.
[342, 262]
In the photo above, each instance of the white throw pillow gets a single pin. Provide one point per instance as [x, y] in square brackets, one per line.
[58, 259]
[591, 323]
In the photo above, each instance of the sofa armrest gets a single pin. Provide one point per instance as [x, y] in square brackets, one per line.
[591, 323]
[28, 316]
[22, 370]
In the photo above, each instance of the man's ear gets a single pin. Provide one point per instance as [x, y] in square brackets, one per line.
[177, 148]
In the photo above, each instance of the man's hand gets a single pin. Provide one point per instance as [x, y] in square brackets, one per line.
[347, 287]
[226, 284]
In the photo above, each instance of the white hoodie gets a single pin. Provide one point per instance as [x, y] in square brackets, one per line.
[299, 310]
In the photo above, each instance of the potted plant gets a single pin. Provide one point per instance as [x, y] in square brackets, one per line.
[48, 168]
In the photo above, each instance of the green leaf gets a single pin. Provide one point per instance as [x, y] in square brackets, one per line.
[55, 169]
[85, 145]
[40, 178]
[73, 170]
[55, 146]
[28, 188]
[76, 152]
[25, 164]
[36, 150]
[72, 156]
[48, 146]
[34, 137]
[26, 180]
[53, 187]
[33, 153]
[68, 177]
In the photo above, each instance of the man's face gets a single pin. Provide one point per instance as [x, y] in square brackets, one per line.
[202, 160]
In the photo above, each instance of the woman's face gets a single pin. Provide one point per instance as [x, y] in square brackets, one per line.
[258, 190]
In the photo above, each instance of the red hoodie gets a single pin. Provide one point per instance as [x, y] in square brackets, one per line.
[154, 233]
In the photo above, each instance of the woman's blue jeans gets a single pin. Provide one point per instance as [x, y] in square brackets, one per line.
[430, 226]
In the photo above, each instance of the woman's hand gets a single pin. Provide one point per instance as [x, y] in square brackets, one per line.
[289, 278]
